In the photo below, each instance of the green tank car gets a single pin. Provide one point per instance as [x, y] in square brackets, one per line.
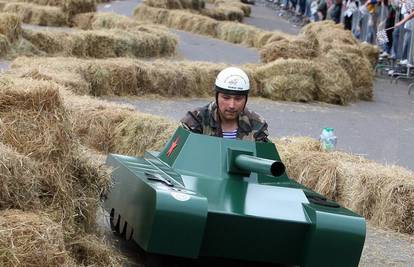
[204, 196]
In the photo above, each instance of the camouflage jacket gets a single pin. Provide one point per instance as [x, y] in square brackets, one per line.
[204, 120]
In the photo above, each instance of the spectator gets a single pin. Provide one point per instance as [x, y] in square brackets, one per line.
[351, 8]
[322, 9]
[336, 11]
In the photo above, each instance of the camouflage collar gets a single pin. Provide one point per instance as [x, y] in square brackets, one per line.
[244, 122]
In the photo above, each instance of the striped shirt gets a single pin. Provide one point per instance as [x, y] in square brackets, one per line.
[230, 135]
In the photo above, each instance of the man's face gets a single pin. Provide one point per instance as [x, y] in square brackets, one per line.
[230, 106]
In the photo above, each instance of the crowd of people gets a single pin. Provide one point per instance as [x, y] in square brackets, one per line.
[364, 18]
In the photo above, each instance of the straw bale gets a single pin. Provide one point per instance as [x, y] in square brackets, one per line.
[358, 69]
[29, 239]
[52, 69]
[10, 26]
[294, 48]
[37, 14]
[234, 3]
[333, 83]
[136, 42]
[247, 35]
[383, 194]
[74, 7]
[224, 13]
[237, 33]
[290, 87]
[371, 52]
[177, 19]
[176, 4]
[329, 32]
[67, 182]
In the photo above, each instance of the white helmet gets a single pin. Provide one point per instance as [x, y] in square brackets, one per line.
[232, 81]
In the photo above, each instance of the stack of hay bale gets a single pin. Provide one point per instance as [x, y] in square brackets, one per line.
[50, 186]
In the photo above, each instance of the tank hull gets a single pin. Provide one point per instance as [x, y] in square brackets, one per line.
[174, 205]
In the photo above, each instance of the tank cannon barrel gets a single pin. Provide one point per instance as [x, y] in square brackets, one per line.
[260, 165]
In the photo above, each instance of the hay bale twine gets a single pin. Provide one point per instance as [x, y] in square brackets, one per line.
[10, 26]
[29, 239]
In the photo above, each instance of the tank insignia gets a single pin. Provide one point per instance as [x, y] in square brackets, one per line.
[173, 146]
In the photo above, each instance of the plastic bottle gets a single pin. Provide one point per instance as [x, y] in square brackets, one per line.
[328, 139]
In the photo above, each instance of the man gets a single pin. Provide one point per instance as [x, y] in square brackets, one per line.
[228, 116]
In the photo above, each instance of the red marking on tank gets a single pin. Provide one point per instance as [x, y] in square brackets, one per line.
[173, 146]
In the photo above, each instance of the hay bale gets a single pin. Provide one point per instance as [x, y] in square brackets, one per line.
[136, 42]
[382, 194]
[176, 4]
[73, 7]
[35, 123]
[224, 13]
[237, 33]
[29, 239]
[333, 83]
[281, 87]
[358, 69]
[52, 69]
[37, 14]
[294, 48]
[10, 26]
[177, 19]
[329, 32]
[247, 35]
